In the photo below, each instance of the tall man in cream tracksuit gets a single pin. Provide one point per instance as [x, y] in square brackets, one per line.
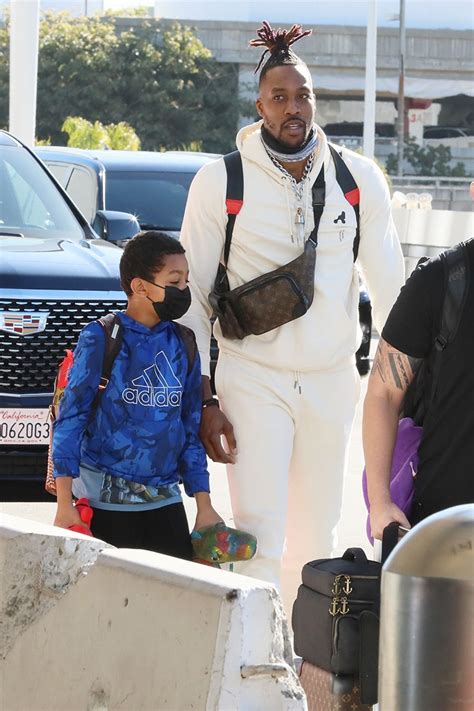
[286, 398]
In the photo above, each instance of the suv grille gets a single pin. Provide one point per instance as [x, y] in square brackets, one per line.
[28, 364]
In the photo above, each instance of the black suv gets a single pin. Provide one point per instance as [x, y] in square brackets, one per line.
[56, 275]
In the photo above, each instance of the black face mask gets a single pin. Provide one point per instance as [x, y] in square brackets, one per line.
[175, 304]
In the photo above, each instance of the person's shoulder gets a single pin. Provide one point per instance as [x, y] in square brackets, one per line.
[365, 171]
[423, 288]
[210, 174]
[93, 332]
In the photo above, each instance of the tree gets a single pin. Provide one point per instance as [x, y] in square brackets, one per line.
[85, 134]
[429, 160]
[159, 79]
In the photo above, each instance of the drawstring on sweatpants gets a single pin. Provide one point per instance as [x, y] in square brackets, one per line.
[297, 383]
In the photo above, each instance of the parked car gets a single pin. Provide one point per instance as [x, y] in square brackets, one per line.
[152, 186]
[446, 132]
[56, 275]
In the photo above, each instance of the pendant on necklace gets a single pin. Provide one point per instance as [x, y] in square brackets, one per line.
[299, 217]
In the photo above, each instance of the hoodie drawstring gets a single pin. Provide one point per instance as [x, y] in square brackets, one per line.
[297, 383]
[288, 208]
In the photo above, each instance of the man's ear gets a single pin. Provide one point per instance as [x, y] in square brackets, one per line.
[259, 107]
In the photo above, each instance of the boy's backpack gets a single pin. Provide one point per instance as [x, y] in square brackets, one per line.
[235, 194]
[420, 396]
[113, 332]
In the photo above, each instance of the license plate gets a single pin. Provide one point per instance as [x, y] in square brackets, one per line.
[24, 426]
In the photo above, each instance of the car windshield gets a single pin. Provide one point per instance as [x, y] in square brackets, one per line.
[156, 199]
[30, 203]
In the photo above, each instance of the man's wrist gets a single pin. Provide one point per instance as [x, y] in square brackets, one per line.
[210, 402]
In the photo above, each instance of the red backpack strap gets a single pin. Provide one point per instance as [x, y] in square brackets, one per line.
[234, 195]
[351, 192]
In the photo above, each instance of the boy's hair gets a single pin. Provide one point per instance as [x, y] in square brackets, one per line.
[277, 43]
[144, 255]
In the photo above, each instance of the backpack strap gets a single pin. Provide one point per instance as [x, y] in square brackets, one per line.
[113, 332]
[456, 279]
[189, 341]
[351, 192]
[234, 195]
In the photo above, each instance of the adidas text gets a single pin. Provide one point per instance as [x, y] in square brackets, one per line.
[152, 397]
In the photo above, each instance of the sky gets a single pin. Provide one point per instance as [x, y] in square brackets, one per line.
[454, 14]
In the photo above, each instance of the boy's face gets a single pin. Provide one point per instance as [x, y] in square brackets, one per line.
[174, 272]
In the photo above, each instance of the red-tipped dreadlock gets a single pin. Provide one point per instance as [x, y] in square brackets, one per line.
[277, 42]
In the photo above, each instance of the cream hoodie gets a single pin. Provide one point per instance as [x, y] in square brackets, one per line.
[266, 236]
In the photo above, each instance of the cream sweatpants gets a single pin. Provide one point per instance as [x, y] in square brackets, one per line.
[292, 431]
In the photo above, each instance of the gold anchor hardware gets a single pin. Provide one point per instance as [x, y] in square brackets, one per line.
[342, 584]
[339, 604]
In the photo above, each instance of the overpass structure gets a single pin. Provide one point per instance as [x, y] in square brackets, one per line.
[439, 67]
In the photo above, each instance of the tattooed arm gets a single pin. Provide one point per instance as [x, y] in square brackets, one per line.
[392, 373]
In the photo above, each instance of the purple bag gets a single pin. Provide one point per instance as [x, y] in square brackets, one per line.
[404, 469]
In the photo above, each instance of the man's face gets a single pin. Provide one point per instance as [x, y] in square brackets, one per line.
[287, 104]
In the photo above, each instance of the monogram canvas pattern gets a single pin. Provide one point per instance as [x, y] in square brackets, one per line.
[271, 300]
[317, 685]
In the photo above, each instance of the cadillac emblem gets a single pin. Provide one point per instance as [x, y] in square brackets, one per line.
[23, 323]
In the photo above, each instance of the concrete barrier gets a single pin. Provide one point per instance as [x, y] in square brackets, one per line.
[85, 626]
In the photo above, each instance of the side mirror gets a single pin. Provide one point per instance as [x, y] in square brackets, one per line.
[115, 226]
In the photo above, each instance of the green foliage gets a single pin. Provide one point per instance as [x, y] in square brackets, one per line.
[429, 160]
[85, 134]
[159, 79]
[42, 141]
[140, 11]
[122, 137]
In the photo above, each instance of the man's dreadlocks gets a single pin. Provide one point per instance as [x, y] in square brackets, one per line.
[277, 43]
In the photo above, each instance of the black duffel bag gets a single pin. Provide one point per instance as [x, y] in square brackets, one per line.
[327, 612]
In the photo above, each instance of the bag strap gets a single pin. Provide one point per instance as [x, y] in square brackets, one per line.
[113, 332]
[189, 341]
[351, 192]
[318, 193]
[235, 196]
[456, 278]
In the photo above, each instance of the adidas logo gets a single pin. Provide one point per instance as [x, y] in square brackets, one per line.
[157, 387]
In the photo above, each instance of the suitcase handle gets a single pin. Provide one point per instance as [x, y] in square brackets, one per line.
[355, 554]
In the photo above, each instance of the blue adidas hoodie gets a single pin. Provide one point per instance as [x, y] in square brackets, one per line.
[146, 428]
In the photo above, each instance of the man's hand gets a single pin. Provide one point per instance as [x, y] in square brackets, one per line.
[214, 424]
[383, 514]
[68, 516]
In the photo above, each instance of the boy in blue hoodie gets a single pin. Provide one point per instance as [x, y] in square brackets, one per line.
[129, 454]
